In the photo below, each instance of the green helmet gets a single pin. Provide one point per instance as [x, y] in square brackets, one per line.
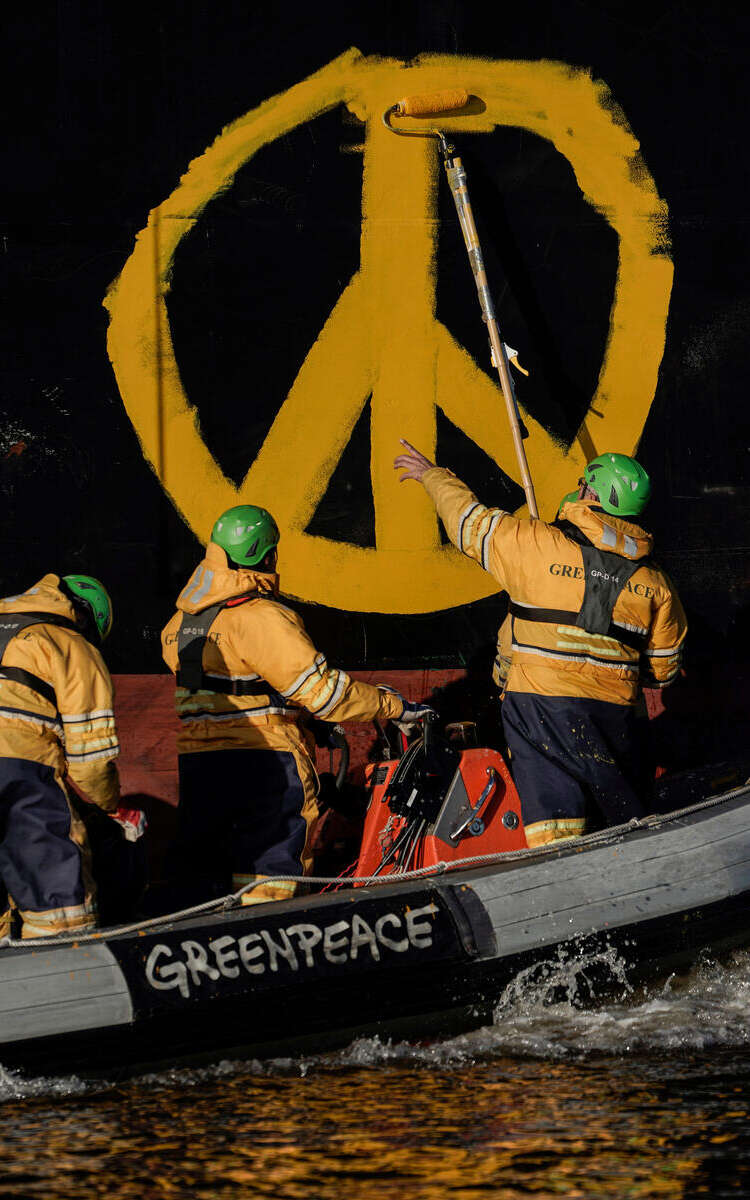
[622, 485]
[96, 598]
[246, 533]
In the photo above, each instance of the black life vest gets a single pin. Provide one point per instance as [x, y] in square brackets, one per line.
[606, 575]
[11, 624]
[191, 638]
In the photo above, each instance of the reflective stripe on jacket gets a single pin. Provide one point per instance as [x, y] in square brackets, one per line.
[255, 637]
[79, 736]
[542, 569]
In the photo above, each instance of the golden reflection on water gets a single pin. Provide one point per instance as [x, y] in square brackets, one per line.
[494, 1129]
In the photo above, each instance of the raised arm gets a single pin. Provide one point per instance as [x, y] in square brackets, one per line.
[470, 525]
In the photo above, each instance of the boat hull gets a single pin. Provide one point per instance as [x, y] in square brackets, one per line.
[409, 959]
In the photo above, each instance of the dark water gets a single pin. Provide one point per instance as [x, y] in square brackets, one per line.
[649, 1097]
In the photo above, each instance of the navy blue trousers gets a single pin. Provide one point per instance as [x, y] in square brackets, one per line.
[40, 866]
[575, 762]
[240, 814]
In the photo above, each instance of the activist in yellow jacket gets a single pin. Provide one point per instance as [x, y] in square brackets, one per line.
[66, 729]
[592, 618]
[271, 676]
[256, 637]
[541, 569]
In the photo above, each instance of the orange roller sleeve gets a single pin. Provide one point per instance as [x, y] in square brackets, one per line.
[432, 102]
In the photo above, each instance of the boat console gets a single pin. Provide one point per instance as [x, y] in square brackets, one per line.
[443, 800]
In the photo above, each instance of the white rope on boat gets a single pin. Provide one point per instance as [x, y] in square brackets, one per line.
[234, 899]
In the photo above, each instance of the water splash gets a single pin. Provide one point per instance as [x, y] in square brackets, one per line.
[14, 1086]
[710, 1007]
[565, 979]
[540, 1015]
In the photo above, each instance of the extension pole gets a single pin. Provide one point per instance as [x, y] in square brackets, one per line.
[456, 173]
[439, 102]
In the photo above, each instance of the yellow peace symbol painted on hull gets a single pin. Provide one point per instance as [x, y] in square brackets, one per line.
[382, 337]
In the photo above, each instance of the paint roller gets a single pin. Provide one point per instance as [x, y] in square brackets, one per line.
[434, 104]
[431, 103]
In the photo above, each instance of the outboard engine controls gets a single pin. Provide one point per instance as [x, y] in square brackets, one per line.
[439, 802]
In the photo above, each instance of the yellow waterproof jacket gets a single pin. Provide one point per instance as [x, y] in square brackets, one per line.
[77, 735]
[256, 639]
[541, 568]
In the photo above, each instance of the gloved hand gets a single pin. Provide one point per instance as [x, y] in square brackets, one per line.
[132, 821]
[414, 710]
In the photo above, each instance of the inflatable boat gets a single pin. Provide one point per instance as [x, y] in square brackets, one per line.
[421, 951]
